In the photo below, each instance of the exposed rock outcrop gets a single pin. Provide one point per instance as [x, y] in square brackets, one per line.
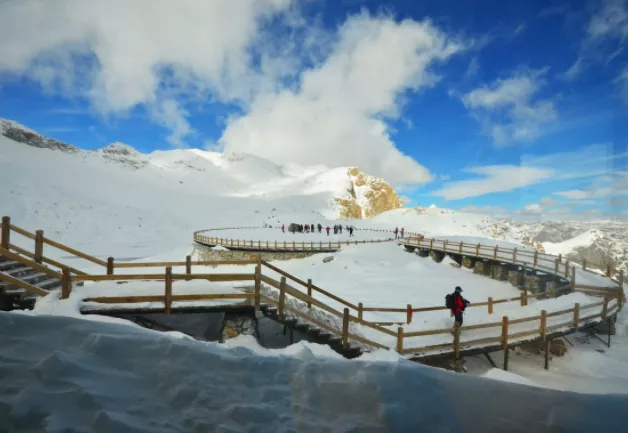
[367, 196]
[22, 134]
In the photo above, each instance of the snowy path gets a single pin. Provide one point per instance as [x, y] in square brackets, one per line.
[275, 234]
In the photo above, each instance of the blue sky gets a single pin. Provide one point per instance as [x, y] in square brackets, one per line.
[512, 108]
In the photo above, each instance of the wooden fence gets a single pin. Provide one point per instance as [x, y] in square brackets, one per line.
[530, 259]
[347, 323]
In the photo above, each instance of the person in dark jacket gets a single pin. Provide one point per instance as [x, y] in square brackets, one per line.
[460, 304]
[327, 230]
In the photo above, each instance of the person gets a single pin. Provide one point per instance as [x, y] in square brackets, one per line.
[327, 230]
[283, 228]
[320, 227]
[460, 304]
[402, 231]
[340, 228]
[396, 231]
[350, 231]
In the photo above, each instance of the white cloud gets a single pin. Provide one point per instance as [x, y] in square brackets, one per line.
[497, 178]
[533, 208]
[574, 194]
[167, 56]
[494, 211]
[510, 109]
[121, 53]
[337, 115]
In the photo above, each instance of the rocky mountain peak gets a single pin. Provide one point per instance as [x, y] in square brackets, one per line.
[20, 133]
[367, 196]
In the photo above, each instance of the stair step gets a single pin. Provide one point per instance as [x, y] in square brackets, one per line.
[27, 279]
[9, 264]
[18, 270]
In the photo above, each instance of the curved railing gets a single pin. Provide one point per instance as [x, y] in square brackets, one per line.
[282, 246]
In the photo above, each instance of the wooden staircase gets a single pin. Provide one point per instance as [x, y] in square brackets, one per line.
[21, 283]
[315, 334]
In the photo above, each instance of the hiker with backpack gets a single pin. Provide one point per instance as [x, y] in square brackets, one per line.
[457, 304]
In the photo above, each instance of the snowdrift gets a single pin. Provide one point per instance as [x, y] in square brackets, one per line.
[62, 374]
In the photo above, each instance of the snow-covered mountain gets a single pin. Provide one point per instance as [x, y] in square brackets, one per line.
[49, 184]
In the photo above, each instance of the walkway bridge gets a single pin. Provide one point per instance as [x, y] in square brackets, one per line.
[259, 286]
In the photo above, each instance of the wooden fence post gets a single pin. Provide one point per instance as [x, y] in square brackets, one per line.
[605, 308]
[477, 250]
[460, 250]
[258, 286]
[547, 350]
[6, 232]
[566, 268]
[576, 315]
[400, 340]
[188, 265]
[110, 265]
[560, 257]
[573, 279]
[309, 293]
[360, 311]
[514, 255]
[556, 263]
[282, 297]
[168, 294]
[457, 341]
[505, 340]
[608, 271]
[522, 299]
[621, 280]
[536, 258]
[409, 314]
[345, 329]
[432, 244]
[490, 305]
[543, 329]
[39, 246]
[495, 252]
[66, 283]
[525, 297]
[584, 264]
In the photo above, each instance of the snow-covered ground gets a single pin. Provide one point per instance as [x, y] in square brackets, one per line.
[60, 373]
[104, 204]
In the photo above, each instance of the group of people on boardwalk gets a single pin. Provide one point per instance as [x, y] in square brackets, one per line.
[397, 232]
[312, 228]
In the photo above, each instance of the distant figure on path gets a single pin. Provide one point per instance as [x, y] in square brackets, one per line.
[350, 231]
[456, 303]
[327, 230]
[320, 227]
[402, 232]
[283, 228]
[340, 228]
[396, 231]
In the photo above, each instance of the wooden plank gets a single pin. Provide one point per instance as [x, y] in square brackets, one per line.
[428, 348]
[158, 277]
[558, 313]
[45, 259]
[482, 326]
[215, 277]
[168, 293]
[586, 307]
[23, 285]
[385, 310]
[303, 283]
[125, 299]
[524, 319]
[481, 341]
[22, 232]
[29, 263]
[75, 252]
[428, 332]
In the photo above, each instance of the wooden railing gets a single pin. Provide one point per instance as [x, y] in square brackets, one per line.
[348, 323]
[530, 259]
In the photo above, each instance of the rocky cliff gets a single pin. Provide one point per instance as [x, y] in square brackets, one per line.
[367, 196]
[22, 134]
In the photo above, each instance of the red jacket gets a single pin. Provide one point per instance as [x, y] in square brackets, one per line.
[459, 303]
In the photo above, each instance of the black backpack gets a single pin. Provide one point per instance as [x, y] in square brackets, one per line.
[449, 301]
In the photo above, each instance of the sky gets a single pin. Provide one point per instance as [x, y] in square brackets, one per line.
[510, 108]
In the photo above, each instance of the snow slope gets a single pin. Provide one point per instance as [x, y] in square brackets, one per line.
[60, 373]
